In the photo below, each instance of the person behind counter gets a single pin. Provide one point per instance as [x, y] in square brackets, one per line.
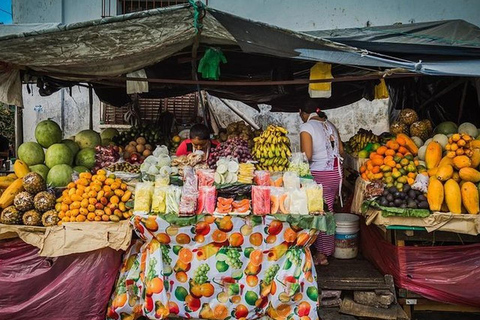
[199, 141]
[320, 141]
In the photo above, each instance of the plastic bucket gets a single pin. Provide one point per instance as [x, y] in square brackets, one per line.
[346, 235]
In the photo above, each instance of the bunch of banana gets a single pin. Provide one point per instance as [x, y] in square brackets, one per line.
[272, 149]
[360, 140]
[245, 173]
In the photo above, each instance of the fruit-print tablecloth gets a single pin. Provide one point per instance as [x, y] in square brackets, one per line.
[227, 267]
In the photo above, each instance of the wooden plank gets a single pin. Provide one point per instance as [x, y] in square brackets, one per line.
[435, 237]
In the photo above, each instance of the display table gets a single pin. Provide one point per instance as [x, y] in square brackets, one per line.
[215, 267]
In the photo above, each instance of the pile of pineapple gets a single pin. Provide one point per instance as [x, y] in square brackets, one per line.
[34, 206]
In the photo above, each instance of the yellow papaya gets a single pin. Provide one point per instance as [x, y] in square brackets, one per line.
[435, 194]
[444, 172]
[20, 168]
[5, 182]
[460, 162]
[469, 174]
[445, 160]
[408, 143]
[433, 155]
[475, 158]
[475, 144]
[470, 198]
[12, 176]
[456, 176]
[453, 196]
[6, 199]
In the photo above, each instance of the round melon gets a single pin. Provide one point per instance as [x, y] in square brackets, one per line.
[59, 176]
[41, 169]
[441, 138]
[48, 132]
[72, 145]
[85, 158]
[31, 153]
[421, 152]
[468, 128]
[58, 153]
[88, 139]
[109, 134]
[428, 141]
[446, 128]
[80, 169]
[418, 141]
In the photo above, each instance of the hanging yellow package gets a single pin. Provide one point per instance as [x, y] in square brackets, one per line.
[381, 91]
[320, 71]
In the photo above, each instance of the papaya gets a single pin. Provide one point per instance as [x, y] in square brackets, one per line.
[453, 196]
[461, 162]
[475, 158]
[435, 194]
[12, 176]
[475, 144]
[469, 174]
[445, 160]
[274, 204]
[432, 172]
[408, 143]
[444, 172]
[456, 176]
[20, 168]
[6, 199]
[5, 182]
[433, 155]
[470, 198]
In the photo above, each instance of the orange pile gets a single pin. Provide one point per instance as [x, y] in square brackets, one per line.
[94, 198]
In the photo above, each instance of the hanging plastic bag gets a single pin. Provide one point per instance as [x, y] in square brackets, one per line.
[262, 178]
[173, 195]
[299, 164]
[291, 180]
[381, 90]
[314, 198]
[143, 197]
[207, 198]
[320, 71]
[261, 200]
[298, 201]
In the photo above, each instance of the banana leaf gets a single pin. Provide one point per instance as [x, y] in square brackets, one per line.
[396, 212]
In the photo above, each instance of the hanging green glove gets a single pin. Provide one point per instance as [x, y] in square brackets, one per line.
[209, 65]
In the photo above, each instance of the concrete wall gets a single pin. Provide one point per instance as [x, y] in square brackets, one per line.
[75, 111]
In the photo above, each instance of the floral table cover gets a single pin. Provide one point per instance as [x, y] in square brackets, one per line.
[227, 267]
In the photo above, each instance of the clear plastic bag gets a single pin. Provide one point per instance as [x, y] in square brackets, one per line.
[162, 180]
[173, 195]
[291, 180]
[276, 179]
[298, 201]
[188, 201]
[207, 198]
[143, 197]
[314, 198]
[262, 178]
[299, 164]
[159, 199]
[261, 200]
[278, 201]
[265, 117]
[206, 177]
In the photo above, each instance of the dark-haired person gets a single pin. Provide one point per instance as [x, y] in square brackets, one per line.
[320, 141]
[199, 140]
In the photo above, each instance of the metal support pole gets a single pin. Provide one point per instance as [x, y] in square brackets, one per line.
[90, 102]
[18, 128]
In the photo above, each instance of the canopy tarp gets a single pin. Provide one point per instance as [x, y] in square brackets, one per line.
[99, 50]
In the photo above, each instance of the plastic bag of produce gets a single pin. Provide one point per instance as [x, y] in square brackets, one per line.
[206, 177]
[173, 196]
[291, 180]
[143, 197]
[159, 199]
[298, 201]
[207, 198]
[314, 198]
[241, 206]
[261, 200]
[262, 178]
[276, 179]
[188, 201]
[162, 180]
[299, 164]
[279, 201]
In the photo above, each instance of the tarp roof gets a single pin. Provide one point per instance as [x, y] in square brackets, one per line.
[118, 45]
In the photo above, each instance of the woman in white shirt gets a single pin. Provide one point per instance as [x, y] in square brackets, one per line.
[320, 141]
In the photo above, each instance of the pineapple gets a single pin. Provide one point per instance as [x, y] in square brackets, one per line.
[44, 201]
[408, 116]
[420, 129]
[23, 201]
[32, 218]
[50, 218]
[429, 125]
[34, 183]
[10, 215]
[398, 127]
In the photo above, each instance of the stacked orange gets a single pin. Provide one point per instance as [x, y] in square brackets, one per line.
[94, 198]
[393, 163]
